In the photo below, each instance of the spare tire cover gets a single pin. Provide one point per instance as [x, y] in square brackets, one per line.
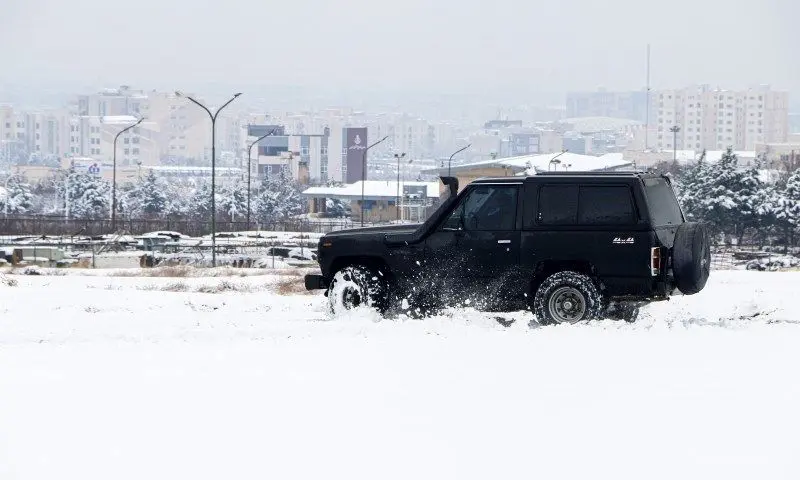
[691, 257]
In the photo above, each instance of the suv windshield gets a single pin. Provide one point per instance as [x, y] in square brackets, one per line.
[664, 208]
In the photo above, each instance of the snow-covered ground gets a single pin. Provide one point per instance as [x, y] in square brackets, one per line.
[121, 377]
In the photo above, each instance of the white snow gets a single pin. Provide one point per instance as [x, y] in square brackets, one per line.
[116, 377]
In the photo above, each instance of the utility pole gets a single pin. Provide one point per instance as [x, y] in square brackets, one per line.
[213, 117]
[647, 106]
[675, 129]
[397, 200]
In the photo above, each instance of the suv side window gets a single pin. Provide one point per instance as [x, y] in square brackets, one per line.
[558, 205]
[485, 208]
[585, 205]
[605, 205]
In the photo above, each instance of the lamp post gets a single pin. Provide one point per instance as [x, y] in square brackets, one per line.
[249, 169]
[674, 129]
[114, 177]
[213, 117]
[364, 174]
[397, 200]
[453, 155]
[555, 161]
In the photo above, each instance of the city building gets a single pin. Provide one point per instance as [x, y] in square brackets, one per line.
[602, 103]
[715, 119]
[93, 137]
[304, 155]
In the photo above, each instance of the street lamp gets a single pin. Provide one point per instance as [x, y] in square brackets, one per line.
[249, 168]
[675, 129]
[453, 155]
[364, 174]
[397, 200]
[213, 117]
[555, 161]
[114, 177]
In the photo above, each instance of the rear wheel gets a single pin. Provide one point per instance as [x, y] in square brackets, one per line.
[358, 286]
[567, 297]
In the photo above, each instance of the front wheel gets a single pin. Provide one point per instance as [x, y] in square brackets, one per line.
[357, 286]
[567, 297]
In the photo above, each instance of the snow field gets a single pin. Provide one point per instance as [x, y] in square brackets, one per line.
[130, 383]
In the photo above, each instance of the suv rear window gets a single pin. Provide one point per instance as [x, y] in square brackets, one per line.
[664, 208]
[605, 206]
[585, 205]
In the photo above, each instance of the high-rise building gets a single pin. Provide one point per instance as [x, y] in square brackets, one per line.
[715, 119]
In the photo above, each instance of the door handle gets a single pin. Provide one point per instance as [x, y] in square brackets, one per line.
[504, 241]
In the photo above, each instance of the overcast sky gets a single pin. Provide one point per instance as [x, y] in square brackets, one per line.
[435, 45]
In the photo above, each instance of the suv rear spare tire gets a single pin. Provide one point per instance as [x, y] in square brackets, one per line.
[357, 286]
[691, 257]
[567, 297]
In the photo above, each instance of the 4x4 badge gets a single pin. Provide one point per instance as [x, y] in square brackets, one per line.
[623, 241]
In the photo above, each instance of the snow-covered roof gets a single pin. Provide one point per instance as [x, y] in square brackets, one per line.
[567, 161]
[119, 119]
[178, 168]
[373, 189]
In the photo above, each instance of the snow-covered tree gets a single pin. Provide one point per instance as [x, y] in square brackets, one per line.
[787, 208]
[337, 208]
[89, 195]
[232, 201]
[148, 198]
[200, 201]
[279, 198]
[19, 197]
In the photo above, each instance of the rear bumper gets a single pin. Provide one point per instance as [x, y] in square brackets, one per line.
[315, 282]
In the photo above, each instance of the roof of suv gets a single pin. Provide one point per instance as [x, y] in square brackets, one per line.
[598, 174]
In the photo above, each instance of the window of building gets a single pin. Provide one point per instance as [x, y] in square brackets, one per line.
[127, 151]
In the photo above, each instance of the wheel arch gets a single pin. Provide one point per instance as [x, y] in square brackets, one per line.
[545, 268]
[369, 261]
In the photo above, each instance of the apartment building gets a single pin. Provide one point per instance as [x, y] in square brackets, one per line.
[93, 137]
[715, 119]
[27, 135]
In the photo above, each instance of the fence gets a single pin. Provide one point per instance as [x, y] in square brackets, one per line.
[49, 225]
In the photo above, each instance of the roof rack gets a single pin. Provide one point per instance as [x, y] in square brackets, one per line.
[593, 173]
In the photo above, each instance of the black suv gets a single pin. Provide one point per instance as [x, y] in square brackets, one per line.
[569, 245]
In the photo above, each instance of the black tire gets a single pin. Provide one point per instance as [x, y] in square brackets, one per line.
[356, 286]
[567, 297]
[691, 257]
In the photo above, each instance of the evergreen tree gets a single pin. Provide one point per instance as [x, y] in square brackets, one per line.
[787, 208]
[232, 200]
[18, 196]
[200, 201]
[153, 196]
[279, 198]
[89, 195]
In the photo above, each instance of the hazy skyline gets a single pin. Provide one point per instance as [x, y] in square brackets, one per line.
[457, 46]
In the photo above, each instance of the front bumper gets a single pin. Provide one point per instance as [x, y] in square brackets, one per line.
[315, 282]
